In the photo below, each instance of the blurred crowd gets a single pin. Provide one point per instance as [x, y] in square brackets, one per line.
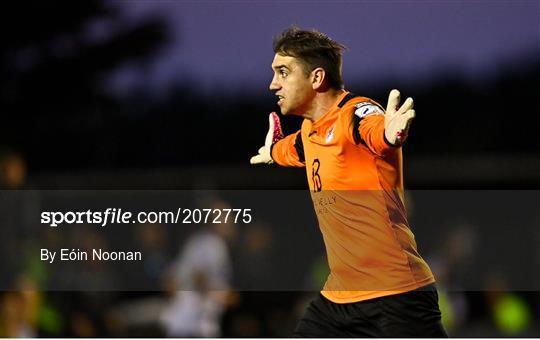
[191, 277]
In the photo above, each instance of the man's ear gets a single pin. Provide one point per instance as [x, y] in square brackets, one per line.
[318, 77]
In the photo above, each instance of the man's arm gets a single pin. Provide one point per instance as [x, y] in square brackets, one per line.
[289, 151]
[285, 151]
[383, 133]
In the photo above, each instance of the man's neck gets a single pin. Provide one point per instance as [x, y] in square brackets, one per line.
[322, 102]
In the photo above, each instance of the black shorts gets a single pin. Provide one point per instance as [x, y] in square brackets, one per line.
[412, 314]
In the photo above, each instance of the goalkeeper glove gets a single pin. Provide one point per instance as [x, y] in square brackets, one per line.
[397, 119]
[274, 134]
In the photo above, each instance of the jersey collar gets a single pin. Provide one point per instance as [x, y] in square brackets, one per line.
[328, 114]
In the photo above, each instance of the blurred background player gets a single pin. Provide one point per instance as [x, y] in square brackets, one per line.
[199, 283]
[351, 149]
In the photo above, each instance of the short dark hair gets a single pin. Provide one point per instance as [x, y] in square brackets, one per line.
[314, 49]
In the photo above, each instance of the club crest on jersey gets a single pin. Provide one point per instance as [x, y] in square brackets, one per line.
[330, 135]
[366, 108]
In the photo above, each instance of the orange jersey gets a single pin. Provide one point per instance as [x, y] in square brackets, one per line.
[356, 185]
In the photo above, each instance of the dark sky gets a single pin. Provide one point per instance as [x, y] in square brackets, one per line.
[227, 44]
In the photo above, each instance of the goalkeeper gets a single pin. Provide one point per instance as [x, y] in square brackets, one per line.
[379, 285]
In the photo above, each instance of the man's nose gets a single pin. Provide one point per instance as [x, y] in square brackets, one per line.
[274, 85]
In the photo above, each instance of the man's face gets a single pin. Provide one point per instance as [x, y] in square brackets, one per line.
[292, 86]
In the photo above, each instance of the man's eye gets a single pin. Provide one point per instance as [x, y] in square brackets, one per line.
[283, 73]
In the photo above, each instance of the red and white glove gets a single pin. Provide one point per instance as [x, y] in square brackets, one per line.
[274, 134]
[397, 119]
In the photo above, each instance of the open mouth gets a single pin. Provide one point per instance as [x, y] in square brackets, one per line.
[280, 101]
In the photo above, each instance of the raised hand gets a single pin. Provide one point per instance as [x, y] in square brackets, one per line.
[397, 119]
[273, 135]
